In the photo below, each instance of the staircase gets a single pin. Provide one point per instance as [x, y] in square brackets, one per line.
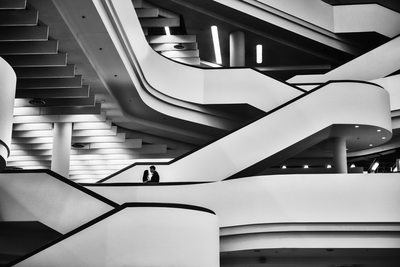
[178, 47]
[49, 90]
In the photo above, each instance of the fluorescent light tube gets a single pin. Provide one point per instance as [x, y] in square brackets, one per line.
[217, 48]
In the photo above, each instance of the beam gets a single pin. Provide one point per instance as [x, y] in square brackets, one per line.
[48, 60]
[92, 125]
[26, 17]
[147, 12]
[96, 132]
[13, 4]
[41, 111]
[50, 83]
[39, 146]
[32, 133]
[60, 102]
[159, 22]
[119, 138]
[60, 118]
[160, 47]
[54, 93]
[24, 33]
[162, 39]
[45, 72]
[29, 47]
[32, 126]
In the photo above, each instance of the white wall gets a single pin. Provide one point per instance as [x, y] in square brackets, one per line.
[41, 197]
[8, 82]
[281, 198]
[392, 85]
[139, 237]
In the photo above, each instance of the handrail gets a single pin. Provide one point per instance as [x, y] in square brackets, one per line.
[267, 114]
[102, 217]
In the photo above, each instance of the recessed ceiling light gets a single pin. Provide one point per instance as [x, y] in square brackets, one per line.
[383, 137]
[283, 166]
[357, 126]
[371, 145]
[378, 130]
[328, 166]
[305, 166]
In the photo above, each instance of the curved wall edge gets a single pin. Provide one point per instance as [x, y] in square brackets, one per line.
[8, 81]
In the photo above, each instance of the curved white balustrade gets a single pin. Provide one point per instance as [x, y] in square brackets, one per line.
[38, 196]
[342, 103]
[391, 84]
[139, 236]
[8, 81]
[299, 207]
[171, 81]
[375, 64]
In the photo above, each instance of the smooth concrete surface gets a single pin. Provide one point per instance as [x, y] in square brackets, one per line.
[8, 81]
[301, 198]
[138, 237]
[41, 197]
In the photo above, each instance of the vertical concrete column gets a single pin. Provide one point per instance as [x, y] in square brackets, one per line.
[62, 136]
[236, 49]
[339, 154]
[398, 164]
[8, 81]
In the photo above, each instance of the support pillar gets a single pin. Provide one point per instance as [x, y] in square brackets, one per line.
[237, 49]
[62, 136]
[398, 165]
[8, 81]
[339, 154]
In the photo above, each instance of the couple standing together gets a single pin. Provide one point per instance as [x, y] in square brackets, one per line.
[151, 176]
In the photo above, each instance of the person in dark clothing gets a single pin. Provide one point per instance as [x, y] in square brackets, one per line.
[151, 176]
